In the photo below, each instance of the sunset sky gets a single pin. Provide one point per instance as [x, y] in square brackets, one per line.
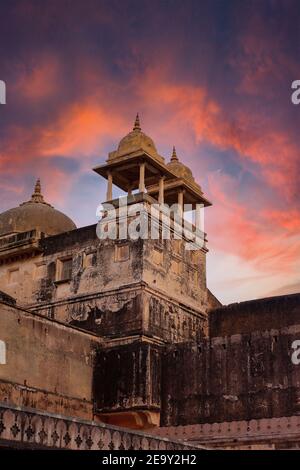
[211, 77]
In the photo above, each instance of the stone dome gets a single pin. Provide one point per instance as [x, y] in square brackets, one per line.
[35, 214]
[181, 170]
[136, 140]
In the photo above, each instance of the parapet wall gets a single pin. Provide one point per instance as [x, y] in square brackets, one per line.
[45, 364]
[237, 377]
[253, 315]
[28, 429]
[264, 434]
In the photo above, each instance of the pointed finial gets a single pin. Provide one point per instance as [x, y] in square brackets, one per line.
[37, 195]
[37, 188]
[174, 157]
[137, 126]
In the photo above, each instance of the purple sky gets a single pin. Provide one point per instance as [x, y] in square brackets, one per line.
[211, 77]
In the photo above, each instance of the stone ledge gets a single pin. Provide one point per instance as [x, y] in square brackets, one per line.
[7, 298]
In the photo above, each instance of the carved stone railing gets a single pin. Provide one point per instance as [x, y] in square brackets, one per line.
[270, 430]
[20, 428]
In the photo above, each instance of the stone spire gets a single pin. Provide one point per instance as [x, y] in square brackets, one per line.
[174, 157]
[37, 195]
[137, 126]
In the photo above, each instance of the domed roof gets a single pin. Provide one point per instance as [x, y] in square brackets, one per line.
[35, 214]
[136, 140]
[181, 170]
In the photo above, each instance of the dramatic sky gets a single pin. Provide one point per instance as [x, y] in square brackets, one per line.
[212, 77]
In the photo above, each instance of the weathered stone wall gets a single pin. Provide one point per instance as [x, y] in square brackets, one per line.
[134, 311]
[253, 315]
[179, 273]
[237, 377]
[107, 282]
[110, 315]
[48, 365]
[96, 266]
[108, 293]
[171, 320]
[128, 378]
[21, 278]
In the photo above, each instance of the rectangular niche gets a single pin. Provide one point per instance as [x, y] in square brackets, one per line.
[122, 252]
[40, 270]
[157, 256]
[176, 266]
[13, 276]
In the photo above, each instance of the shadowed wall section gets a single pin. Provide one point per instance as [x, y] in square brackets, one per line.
[241, 376]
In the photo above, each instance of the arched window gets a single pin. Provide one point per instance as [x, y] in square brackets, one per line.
[2, 352]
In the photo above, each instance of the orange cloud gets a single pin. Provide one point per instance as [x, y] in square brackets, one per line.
[288, 219]
[267, 239]
[80, 129]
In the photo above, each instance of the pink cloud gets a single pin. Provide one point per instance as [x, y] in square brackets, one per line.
[40, 79]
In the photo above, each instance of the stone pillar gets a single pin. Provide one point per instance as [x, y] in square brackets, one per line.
[109, 186]
[180, 200]
[198, 216]
[142, 178]
[161, 190]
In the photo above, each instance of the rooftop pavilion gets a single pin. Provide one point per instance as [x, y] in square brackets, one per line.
[136, 165]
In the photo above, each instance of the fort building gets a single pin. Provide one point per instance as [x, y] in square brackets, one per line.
[119, 343]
